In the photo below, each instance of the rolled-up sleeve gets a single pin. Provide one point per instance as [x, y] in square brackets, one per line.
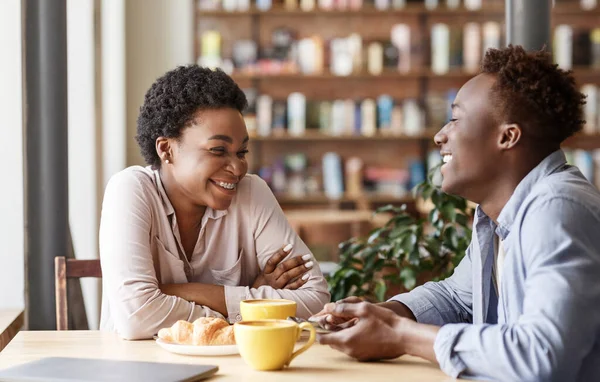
[447, 301]
[561, 314]
[137, 306]
[271, 230]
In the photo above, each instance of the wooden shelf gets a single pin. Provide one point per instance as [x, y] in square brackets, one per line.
[412, 10]
[581, 71]
[388, 74]
[562, 9]
[310, 136]
[322, 199]
[583, 141]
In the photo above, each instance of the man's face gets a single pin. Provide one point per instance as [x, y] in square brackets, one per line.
[468, 143]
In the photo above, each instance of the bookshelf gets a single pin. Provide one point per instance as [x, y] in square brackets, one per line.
[382, 151]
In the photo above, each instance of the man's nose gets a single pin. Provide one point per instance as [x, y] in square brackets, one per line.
[440, 138]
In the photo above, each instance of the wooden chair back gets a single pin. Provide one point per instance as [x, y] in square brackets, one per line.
[66, 269]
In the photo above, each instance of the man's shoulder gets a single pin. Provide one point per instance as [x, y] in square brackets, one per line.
[566, 195]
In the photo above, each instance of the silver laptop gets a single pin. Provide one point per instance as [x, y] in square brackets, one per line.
[58, 369]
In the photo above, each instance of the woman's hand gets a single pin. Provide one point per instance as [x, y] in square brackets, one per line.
[289, 274]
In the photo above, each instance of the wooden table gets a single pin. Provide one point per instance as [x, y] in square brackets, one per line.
[320, 363]
[10, 322]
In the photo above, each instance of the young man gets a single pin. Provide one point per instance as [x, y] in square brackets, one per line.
[524, 304]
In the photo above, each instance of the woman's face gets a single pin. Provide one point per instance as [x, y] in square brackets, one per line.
[208, 160]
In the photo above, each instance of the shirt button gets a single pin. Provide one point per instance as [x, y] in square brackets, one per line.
[238, 317]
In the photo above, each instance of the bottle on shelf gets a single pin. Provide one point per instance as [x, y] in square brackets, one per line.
[472, 47]
[440, 48]
[332, 176]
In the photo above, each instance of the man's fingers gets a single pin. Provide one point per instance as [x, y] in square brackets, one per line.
[334, 340]
[276, 258]
[351, 300]
[348, 324]
[352, 310]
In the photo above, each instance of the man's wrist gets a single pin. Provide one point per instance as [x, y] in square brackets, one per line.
[417, 339]
[399, 308]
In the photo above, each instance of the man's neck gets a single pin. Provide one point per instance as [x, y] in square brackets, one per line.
[501, 191]
[497, 199]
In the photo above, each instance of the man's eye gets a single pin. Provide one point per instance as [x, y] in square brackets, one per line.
[242, 154]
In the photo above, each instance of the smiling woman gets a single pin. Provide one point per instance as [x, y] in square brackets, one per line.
[193, 234]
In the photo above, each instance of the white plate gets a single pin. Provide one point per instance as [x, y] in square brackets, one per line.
[198, 350]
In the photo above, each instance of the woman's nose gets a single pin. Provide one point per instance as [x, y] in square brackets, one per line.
[237, 166]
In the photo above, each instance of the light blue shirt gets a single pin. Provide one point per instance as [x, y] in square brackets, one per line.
[545, 326]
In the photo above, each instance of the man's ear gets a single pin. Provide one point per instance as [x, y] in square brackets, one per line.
[163, 149]
[510, 135]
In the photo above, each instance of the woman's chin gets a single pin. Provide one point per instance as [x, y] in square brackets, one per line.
[220, 205]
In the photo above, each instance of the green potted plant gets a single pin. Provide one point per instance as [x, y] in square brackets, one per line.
[407, 250]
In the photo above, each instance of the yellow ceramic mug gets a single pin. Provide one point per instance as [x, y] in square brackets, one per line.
[269, 344]
[279, 309]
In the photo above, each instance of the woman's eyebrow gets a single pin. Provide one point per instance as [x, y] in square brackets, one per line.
[227, 138]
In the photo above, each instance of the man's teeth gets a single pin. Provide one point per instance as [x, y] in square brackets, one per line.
[229, 186]
[447, 158]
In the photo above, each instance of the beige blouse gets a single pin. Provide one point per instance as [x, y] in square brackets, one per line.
[140, 248]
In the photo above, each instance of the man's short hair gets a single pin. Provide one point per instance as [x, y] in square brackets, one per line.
[534, 93]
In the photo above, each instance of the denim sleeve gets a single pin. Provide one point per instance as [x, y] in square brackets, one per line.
[447, 301]
[561, 314]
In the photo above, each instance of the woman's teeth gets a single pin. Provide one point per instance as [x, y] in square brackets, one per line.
[228, 186]
[447, 158]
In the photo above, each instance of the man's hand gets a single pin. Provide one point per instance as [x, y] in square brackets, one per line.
[289, 274]
[332, 322]
[377, 333]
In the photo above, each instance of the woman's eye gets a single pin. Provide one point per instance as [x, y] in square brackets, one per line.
[453, 120]
[242, 154]
[217, 150]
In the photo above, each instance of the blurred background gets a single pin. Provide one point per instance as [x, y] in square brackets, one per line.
[345, 97]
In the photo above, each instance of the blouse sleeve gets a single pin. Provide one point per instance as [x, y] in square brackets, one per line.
[137, 306]
[271, 231]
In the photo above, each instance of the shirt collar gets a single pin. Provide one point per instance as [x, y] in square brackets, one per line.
[209, 213]
[549, 165]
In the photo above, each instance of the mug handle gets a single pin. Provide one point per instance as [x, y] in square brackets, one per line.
[313, 335]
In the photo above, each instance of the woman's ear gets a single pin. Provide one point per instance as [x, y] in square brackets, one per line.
[510, 135]
[163, 149]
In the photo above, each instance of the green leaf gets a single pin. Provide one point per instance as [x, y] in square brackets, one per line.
[408, 277]
[449, 212]
[434, 215]
[375, 234]
[380, 289]
[415, 257]
[462, 219]
[400, 220]
[451, 239]
[408, 242]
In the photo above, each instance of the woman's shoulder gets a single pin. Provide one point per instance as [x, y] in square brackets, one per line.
[253, 187]
[254, 192]
[133, 179]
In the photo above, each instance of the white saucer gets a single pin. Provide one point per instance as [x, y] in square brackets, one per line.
[214, 350]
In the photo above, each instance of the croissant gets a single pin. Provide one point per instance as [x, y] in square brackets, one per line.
[203, 331]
